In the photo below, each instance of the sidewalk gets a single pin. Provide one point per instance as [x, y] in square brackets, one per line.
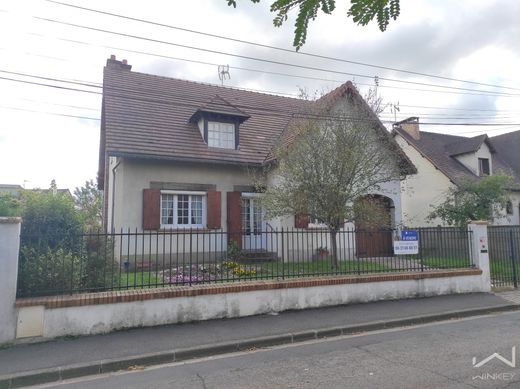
[67, 358]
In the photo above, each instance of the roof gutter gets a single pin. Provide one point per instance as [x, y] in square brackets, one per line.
[182, 159]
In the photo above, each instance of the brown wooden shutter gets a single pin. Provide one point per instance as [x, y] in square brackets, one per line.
[301, 220]
[214, 209]
[234, 217]
[151, 209]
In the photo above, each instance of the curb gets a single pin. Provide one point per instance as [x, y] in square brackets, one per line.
[54, 374]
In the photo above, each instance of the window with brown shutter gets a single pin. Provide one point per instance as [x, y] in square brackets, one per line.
[301, 220]
[214, 210]
[151, 209]
[234, 217]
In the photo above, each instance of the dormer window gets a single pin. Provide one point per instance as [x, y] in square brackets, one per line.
[221, 135]
[483, 167]
[219, 123]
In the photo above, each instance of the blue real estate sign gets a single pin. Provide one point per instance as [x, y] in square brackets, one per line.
[409, 235]
[409, 243]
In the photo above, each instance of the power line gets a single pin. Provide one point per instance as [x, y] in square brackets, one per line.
[278, 48]
[48, 113]
[64, 80]
[185, 101]
[257, 70]
[248, 69]
[491, 93]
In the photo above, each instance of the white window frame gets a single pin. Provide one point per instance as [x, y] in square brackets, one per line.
[220, 142]
[315, 223]
[175, 193]
[481, 165]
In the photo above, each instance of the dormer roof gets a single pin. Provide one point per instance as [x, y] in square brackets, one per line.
[217, 105]
[469, 145]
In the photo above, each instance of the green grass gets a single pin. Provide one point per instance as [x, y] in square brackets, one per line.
[502, 271]
[319, 267]
[446, 263]
[139, 279]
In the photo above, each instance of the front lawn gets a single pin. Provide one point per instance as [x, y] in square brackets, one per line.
[446, 263]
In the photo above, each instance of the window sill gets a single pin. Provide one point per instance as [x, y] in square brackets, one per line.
[185, 230]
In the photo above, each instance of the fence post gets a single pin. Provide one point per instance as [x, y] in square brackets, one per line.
[513, 258]
[479, 250]
[9, 248]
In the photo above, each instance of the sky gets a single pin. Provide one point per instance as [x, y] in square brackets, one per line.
[51, 72]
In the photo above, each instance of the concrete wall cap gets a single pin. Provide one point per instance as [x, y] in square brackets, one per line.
[479, 222]
[10, 220]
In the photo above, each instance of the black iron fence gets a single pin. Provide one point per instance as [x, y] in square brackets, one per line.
[96, 261]
[504, 254]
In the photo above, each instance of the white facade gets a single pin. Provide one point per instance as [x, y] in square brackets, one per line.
[422, 192]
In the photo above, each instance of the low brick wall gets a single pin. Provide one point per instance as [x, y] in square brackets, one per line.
[94, 313]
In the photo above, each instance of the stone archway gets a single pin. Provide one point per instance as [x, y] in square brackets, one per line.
[374, 221]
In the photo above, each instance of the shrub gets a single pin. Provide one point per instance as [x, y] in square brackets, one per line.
[47, 272]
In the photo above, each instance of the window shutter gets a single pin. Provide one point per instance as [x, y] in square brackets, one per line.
[301, 220]
[151, 209]
[234, 217]
[214, 210]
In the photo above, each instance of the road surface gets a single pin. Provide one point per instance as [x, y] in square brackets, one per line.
[438, 355]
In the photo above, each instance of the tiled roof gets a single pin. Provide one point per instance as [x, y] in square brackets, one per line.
[508, 147]
[441, 149]
[468, 145]
[148, 116]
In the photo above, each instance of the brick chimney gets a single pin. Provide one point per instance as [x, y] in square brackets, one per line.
[411, 126]
[114, 63]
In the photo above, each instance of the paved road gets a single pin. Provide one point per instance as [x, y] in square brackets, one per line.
[429, 356]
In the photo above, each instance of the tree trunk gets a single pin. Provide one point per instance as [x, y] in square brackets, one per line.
[334, 243]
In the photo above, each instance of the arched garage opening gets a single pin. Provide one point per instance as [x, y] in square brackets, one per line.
[375, 217]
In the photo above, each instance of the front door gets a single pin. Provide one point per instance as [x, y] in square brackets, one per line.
[253, 224]
[374, 237]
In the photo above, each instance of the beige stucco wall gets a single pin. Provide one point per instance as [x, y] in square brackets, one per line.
[421, 191]
[133, 176]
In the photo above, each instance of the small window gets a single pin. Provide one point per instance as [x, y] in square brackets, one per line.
[221, 135]
[483, 167]
[509, 207]
[183, 210]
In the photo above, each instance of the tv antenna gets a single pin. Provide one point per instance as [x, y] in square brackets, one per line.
[223, 73]
[394, 109]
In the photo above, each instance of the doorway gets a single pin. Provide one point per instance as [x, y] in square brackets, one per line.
[374, 220]
[253, 223]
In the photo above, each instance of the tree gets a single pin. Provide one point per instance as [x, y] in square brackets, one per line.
[333, 161]
[49, 219]
[89, 202]
[9, 205]
[361, 11]
[482, 199]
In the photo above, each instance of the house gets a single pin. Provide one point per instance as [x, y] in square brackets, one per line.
[177, 154]
[445, 161]
[15, 190]
[10, 189]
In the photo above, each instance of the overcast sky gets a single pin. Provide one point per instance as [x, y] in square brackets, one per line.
[471, 40]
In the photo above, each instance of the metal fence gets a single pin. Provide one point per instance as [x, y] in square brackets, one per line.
[96, 261]
[504, 253]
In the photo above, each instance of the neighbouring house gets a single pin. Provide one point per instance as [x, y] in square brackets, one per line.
[10, 189]
[15, 190]
[444, 161]
[177, 155]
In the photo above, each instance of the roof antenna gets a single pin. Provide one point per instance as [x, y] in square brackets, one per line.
[223, 73]
[394, 109]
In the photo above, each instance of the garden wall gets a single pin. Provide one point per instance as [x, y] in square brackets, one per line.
[95, 313]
